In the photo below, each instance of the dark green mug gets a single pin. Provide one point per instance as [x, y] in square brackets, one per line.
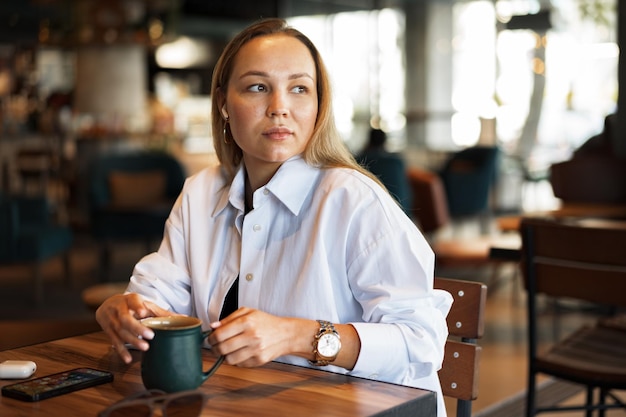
[174, 360]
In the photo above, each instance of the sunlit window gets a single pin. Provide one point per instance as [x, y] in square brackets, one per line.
[530, 91]
[364, 55]
[473, 74]
[563, 79]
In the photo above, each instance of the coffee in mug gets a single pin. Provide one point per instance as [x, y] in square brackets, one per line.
[174, 360]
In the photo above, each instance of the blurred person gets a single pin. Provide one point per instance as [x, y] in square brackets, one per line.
[389, 167]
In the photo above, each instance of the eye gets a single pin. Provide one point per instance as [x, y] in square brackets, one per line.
[300, 89]
[257, 88]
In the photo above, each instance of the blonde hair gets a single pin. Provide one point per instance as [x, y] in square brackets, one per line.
[325, 149]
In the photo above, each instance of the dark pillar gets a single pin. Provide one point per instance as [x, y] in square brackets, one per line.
[619, 139]
[415, 50]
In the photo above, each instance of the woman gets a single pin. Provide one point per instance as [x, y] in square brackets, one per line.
[325, 267]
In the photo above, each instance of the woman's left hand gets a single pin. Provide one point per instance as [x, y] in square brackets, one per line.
[250, 337]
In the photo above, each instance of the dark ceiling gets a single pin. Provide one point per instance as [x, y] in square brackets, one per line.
[20, 20]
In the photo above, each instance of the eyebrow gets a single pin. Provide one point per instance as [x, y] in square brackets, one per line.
[295, 76]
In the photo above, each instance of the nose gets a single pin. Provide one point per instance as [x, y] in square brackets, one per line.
[277, 105]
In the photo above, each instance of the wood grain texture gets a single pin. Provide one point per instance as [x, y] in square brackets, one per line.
[272, 390]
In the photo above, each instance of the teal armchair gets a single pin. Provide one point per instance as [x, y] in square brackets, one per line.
[131, 194]
[29, 236]
[469, 177]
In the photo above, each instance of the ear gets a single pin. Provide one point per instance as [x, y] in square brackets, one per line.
[222, 103]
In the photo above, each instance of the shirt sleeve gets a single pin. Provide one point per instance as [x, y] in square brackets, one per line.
[159, 276]
[404, 327]
[403, 353]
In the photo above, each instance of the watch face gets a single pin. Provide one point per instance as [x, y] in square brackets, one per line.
[328, 345]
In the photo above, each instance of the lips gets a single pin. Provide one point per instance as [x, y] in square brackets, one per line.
[278, 132]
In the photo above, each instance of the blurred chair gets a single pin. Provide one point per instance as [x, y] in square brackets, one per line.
[466, 324]
[583, 260]
[36, 167]
[590, 179]
[468, 177]
[29, 236]
[430, 212]
[391, 171]
[131, 195]
[40, 170]
[429, 205]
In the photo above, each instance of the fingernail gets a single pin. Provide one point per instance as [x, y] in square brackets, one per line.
[148, 334]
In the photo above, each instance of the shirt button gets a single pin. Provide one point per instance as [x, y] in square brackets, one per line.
[256, 227]
[266, 191]
[249, 277]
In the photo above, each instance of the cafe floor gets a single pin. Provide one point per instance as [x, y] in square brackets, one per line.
[503, 363]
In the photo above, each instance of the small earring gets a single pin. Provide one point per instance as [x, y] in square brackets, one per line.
[226, 141]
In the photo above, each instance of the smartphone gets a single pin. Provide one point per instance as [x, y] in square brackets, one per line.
[56, 384]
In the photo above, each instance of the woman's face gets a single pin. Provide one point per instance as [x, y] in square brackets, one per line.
[271, 100]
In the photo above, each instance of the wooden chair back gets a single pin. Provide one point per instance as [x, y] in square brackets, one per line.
[466, 323]
[579, 258]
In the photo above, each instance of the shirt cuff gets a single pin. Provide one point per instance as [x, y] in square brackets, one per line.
[383, 351]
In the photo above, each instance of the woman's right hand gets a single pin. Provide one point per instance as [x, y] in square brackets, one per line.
[119, 317]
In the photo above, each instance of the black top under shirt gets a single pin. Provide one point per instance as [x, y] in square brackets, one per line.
[231, 300]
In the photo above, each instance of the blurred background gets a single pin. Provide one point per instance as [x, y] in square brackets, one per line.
[536, 78]
[489, 109]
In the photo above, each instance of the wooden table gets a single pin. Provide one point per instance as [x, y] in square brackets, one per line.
[510, 249]
[511, 223]
[506, 247]
[272, 390]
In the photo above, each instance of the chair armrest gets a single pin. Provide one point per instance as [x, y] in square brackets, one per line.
[17, 215]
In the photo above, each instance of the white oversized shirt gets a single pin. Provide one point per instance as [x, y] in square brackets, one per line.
[326, 244]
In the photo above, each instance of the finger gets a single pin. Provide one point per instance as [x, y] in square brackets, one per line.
[130, 329]
[121, 326]
[225, 332]
[232, 326]
[123, 353]
[240, 312]
[118, 345]
[156, 310]
[247, 357]
[136, 304]
[232, 319]
[131, 339]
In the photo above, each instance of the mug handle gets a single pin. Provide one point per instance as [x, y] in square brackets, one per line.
[218, 362]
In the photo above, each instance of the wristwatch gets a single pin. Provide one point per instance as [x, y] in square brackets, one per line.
[326, 344]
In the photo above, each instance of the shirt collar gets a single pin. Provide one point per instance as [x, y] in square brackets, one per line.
[233, 194]
[290, 185]
[293, 182]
